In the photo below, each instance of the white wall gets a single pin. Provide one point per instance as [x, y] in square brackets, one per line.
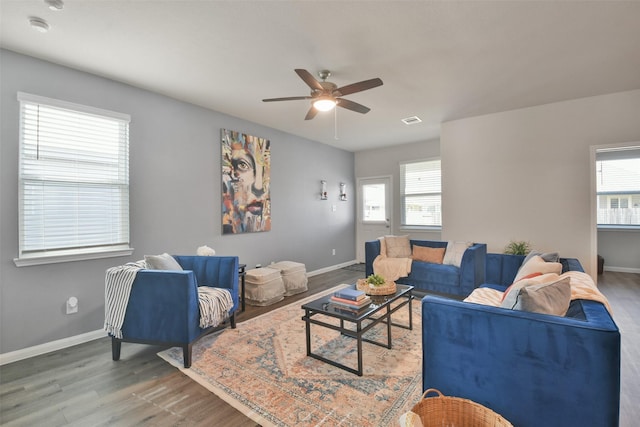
[175, 193]
[525, 174]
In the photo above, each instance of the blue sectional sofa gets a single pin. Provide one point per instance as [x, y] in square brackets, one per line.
[441, 278]
[533, 369]
[163, 304]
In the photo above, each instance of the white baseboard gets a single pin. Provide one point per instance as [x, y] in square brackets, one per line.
[331, 268]
[36, 350]
[622, 269]
[25, 353]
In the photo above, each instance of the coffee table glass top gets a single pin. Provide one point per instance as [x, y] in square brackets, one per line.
[324, 305]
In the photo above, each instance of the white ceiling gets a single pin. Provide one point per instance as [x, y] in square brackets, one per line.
[439, 60]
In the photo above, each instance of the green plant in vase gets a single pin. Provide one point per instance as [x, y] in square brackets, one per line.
[517, 247]
[376, 280]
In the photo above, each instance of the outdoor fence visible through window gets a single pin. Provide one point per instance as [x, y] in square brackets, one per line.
[618, 187]
[421, 193]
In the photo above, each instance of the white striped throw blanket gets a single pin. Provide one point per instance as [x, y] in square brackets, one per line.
[214, 303]
[117, 288]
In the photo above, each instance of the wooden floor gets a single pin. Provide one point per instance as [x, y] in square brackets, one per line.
[82, 386]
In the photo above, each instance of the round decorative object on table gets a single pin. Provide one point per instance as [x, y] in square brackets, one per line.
[387, 289]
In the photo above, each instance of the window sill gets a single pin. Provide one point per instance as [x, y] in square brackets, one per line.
[421, 227]
[69, 256]
[624, 228]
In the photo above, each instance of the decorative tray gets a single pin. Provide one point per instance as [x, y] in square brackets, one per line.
[387, 289]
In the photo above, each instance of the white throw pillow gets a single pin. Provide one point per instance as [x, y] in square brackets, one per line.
[454, 253]
[162, 262]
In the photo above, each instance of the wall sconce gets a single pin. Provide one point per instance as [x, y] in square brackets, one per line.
[343, 191]
[323, 190]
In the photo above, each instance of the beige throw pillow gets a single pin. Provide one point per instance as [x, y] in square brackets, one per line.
[546, 294]
[397, 246]
[538, 265]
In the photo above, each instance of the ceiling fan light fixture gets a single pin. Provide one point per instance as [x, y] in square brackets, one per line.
[324, 103]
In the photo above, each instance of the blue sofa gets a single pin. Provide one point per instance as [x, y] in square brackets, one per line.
[533, 369]
[163, 305]
[441, 278]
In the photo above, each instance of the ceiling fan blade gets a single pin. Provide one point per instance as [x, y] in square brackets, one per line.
[353, 106]
[359, 87]
[309, 79]
[311, 113]
[289, 98]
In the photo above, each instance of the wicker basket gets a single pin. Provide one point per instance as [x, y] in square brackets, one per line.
[387, 289]
[454, 411]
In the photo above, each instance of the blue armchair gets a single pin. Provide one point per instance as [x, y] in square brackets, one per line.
[163, 305]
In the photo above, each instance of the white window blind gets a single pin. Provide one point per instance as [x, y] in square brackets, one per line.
[618, 187]
[74, 178]
[421, 193]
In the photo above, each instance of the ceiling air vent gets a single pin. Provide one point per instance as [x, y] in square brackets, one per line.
[411, 120]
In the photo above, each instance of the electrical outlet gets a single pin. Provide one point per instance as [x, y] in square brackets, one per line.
[333, 251]
[72, 305]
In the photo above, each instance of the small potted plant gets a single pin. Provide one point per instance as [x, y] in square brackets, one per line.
[376, 284]
[375, 280]
[519, 247]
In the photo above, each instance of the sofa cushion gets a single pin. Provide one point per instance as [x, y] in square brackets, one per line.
[538, 265]
[162, 262]
[427, 254]
[546, 294]
[454, 253]
[397, 246]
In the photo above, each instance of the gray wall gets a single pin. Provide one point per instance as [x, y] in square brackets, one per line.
[175, 199]
[620, 250]
[386, 162]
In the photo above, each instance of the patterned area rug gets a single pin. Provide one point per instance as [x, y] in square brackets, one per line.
[261, 369]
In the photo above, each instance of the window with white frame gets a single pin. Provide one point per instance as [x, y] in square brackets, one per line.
[73, 183]
[421, 194]
[618, 187]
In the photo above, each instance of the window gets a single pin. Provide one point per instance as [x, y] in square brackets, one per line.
[374, 202]
[73, 183]
[421, 194]
[618, 187]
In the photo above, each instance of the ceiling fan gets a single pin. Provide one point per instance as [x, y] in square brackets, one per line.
[326, 95]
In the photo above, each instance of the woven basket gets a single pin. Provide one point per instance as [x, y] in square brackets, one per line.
[387, 289]
[454, 411]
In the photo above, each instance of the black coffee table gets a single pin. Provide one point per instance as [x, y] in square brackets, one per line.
[379, 311]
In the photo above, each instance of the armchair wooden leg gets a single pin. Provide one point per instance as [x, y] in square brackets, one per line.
[186, 355]
[116, 344]
[232, 320]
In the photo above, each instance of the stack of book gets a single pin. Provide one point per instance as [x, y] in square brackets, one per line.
[350, 300]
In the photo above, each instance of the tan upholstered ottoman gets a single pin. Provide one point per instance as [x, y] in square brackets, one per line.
[294, 276]
[263, 286]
